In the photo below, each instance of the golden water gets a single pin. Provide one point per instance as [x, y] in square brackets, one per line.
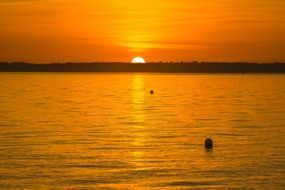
[105, 131]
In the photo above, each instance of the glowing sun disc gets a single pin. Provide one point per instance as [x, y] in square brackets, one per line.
[138, 60]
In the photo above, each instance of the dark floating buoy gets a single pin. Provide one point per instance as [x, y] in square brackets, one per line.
[151, 92]
[209, 144]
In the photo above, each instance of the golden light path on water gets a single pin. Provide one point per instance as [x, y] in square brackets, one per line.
[140, 130]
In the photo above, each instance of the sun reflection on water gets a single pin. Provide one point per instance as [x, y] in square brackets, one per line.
[138, 98]
[138, 117]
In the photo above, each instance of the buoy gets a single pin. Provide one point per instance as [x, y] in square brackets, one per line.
[151, 92]
[208, 143]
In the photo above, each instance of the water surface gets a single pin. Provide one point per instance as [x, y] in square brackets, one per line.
[105, 131]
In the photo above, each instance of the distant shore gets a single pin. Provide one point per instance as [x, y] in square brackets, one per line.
[159, 67]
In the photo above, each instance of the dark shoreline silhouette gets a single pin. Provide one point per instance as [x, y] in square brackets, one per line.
[159, 67]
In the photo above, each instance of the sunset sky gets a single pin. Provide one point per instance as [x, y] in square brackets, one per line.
[159, 30]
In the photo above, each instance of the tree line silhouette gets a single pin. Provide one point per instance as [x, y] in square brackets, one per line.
[158, 67]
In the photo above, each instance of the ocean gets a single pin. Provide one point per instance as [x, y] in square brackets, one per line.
[107, 131]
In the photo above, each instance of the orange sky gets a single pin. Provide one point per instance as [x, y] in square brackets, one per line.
[158, 30]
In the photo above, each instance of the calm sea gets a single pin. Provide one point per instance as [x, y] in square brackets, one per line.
[106, 131]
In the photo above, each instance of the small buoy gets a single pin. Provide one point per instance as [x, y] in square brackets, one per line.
[208, 143]
[151, 92]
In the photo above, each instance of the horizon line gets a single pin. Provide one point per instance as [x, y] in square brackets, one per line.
[150, 62]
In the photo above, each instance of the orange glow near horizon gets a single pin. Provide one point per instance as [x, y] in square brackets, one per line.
[162, 30]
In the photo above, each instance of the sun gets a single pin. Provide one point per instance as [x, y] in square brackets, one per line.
[138, 60]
